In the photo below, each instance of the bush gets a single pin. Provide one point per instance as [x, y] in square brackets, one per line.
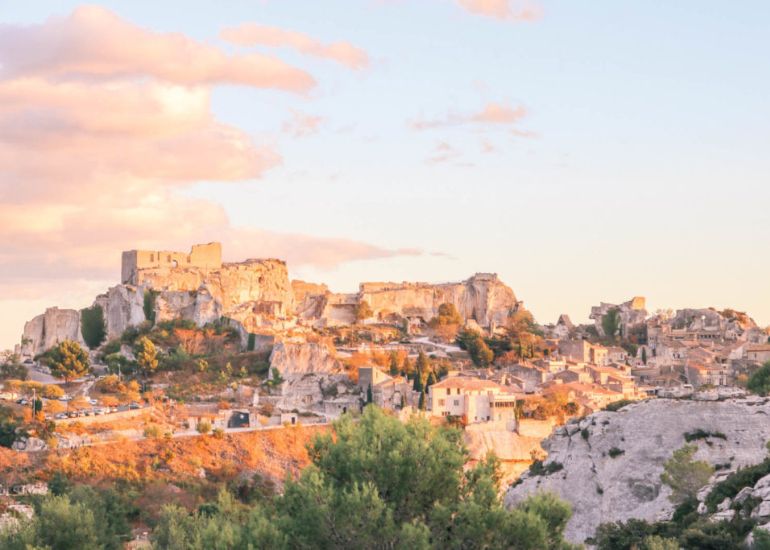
[149, 305]
[702, 434]
[538, 469]
[759, 381]
[615, 452]
[617, 405]
[732, 485]
[584, 433]
[203, 427]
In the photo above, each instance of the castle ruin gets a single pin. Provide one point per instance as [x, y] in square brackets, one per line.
[201, 256]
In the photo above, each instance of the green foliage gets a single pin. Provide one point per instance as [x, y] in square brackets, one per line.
[761, 539]
[611, 323]
[684, 475]
[702, 434]
[759, 381]
[67, 360]
[92, 326]
[615, 452]
[369, 397]
[149, 305]
[732, 484]
[617, 405]
[146, 355]
[477, 348]
[538, 469]
[393, 367]
[12, 369]
[644, 355]
[10, 427]
[252, 342]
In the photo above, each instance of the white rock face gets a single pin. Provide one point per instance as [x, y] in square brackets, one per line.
[309, 370]
[483, 298]
[603, 489]
[50, 328]
[301, 358]
[123, 307]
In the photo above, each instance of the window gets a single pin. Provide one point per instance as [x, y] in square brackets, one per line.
[441, 402]
[457, 402]
[449, 391]
[458, 391]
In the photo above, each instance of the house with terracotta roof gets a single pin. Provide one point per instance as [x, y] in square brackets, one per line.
[472, 399]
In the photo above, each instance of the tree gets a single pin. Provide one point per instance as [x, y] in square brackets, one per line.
[684, 475]
[421, 403]
[759, 381]
[407, 368]
[393, 363]
[146, 355]
[644, 355]
[436, 506]
[92, 326]
[611, 323]
[369, 396]
[10, 427]
[448, 315]
[52, 391]
[68, 360]
[363, 310]
[149, 305]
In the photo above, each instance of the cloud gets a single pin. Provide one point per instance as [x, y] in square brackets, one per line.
[252, 34]
[93, 43]
[490, 114]
[512, 10]
[302, 124]
[102, 124]
[443, 152]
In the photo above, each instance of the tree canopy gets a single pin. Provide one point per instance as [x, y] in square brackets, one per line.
[67, 360]
[759, 381]
[378, 483]
[684, 475]
[92, 326]
[146, 355]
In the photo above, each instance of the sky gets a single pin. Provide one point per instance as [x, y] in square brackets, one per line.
[584, 151]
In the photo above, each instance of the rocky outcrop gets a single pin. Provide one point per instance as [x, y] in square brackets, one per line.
[482, 298]
[293, 359]
[515, 451]
[310, 373]
[123, 307]
[50, 328]
[644, 436]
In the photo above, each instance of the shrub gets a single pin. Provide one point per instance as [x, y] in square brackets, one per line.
[203, 427]
[731, 486]
[615, 452]
[538, 469]
[92, 326]
[149, 305]
[617, 405]
[584, 433]
[702, 434]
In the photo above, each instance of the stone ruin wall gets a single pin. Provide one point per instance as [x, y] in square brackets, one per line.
[201, 256]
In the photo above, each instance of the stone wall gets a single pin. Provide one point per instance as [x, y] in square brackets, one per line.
[201, 256]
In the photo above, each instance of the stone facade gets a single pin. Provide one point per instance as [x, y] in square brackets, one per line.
[201, 256]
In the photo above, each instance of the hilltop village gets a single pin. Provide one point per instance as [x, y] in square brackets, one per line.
[188, 345]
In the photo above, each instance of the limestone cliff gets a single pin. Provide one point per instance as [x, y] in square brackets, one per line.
[483, 298]
[50, 328]
[604, 489]
[310, 371]
[122, 307]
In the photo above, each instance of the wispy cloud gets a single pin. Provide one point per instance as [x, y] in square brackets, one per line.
[302, 124]
[252, 34]
[512, 10]
[490, 114]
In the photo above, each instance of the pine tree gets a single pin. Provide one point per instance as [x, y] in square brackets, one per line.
[393, 363]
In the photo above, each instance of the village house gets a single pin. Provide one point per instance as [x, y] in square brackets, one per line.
[712, 374]
[472, 399]
[759, 353]
[583, 351]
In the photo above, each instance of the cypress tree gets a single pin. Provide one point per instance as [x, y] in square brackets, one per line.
[422, 401]
[393, 363]
[369, 397]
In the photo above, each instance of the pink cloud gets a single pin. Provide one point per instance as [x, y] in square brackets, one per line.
[490, 114]
[94, 43]
[443, 152]
[252, 34]
[503, 9]
[302, 124]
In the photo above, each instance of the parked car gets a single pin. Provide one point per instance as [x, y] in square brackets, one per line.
[134, 406]
[60, 416]
[93, 401]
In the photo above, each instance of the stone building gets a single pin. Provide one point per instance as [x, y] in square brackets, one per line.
[201, 256]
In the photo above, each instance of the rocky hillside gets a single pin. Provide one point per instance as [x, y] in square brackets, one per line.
[258, 298]
[608, 465]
